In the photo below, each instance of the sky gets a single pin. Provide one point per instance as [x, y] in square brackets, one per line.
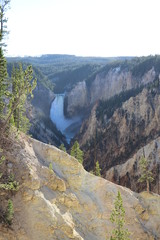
[103, 28]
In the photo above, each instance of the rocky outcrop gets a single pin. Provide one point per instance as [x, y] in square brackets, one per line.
[104, 85]
[127, 174]
[67, 202]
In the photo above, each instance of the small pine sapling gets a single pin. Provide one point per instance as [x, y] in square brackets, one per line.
[118, 219]
[77, 152]
[9, 212]
[51, 167]
[62, 147]
[97, 169]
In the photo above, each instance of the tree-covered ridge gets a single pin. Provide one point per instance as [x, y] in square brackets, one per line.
[65, 80]
[61, 71]
[142, 65]
[138, 66]
[64, 71]
[63, 59]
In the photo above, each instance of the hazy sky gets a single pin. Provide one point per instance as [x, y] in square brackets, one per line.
[84, 27]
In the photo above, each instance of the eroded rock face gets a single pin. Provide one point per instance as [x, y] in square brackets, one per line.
[88, 128]
[127, 174]
[68, 202]
[105, 85]
[76, 99]
[42, 98]
[132, 126]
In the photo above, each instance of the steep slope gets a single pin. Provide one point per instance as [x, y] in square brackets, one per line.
[115, 140]
[68, 202]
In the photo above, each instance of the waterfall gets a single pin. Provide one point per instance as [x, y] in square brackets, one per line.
[68, 126]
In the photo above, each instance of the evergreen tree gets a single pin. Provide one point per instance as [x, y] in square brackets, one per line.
[117, 217]
[77, 152]
[51, 167]
[19, 118]
[9, 212]
[3, 65]
[97, 171]
[146, 175]
[4, 5]
[3, 82]
[22, 86]
[62, 147]
[12, 104]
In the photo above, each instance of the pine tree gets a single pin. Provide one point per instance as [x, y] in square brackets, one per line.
[4, 5]
[9, 212]
[77, 152]
[3, 82]
[97, 171]
[62, 147]
[3, 65]
[19, 115]
[50, 167]
[22, 86]
[117, 217]
[146, 175]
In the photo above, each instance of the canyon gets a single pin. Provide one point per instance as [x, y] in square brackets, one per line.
[124, 117]
[117, 108]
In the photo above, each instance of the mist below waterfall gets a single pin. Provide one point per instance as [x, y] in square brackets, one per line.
[68, 126]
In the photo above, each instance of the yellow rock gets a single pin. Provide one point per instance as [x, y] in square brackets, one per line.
[45, 209]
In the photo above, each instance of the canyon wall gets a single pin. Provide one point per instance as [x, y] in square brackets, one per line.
[103, 86]
[131, 127]
[128, 173]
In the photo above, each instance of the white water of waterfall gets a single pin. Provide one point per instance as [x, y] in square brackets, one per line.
[68, 126]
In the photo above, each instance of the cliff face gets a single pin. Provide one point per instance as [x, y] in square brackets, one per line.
[105, 85]
[76, 99]
[88, 128]
[132, 126]
[42, 98]
[68, 202]
[128, 173]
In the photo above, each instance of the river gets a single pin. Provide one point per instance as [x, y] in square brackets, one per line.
[68, 126]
